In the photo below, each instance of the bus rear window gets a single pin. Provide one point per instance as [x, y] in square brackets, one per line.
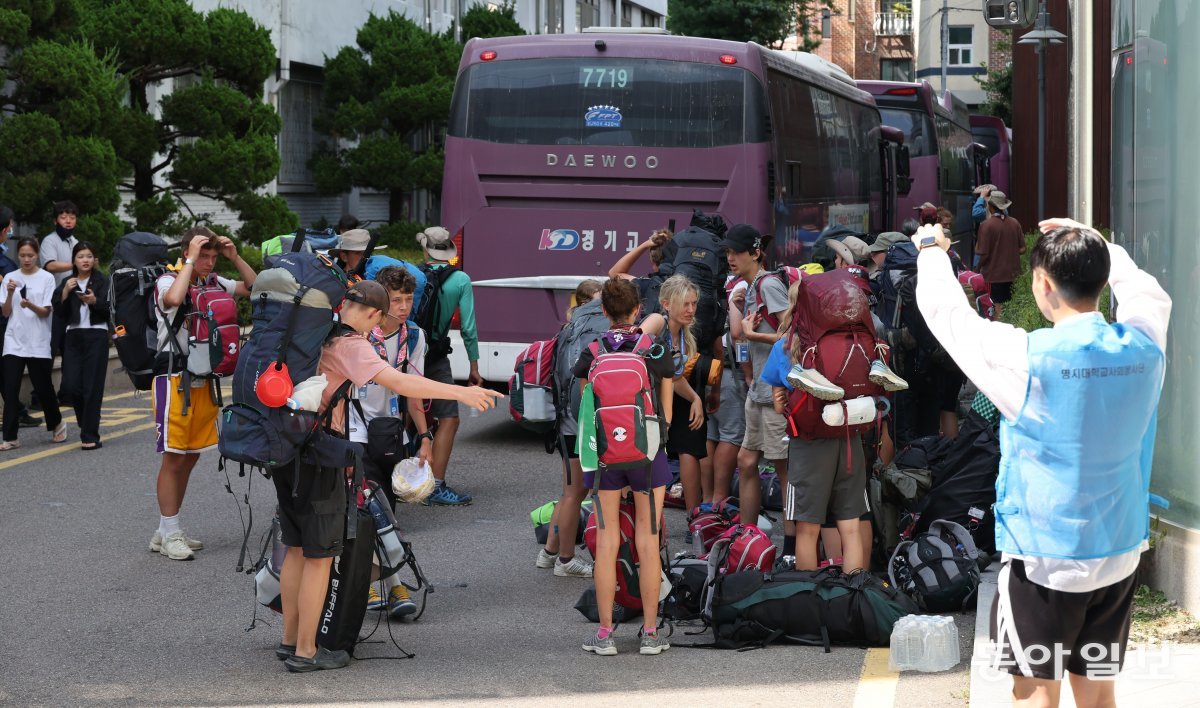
[917, 129]
[608, 101]
[987, 136]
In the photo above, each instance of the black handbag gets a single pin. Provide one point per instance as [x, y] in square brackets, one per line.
[385, 442]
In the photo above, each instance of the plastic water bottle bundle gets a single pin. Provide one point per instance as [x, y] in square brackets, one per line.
[924, 643]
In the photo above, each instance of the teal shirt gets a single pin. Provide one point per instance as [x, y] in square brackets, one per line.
[458, 294]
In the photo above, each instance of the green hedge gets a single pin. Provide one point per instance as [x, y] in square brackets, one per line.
[1022, 311]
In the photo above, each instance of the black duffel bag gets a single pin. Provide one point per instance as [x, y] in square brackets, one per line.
[817, 608]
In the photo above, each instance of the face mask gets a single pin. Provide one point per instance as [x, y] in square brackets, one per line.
[64, 234]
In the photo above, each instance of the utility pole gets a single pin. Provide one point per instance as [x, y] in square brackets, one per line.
[1043, 36]
[945, 41]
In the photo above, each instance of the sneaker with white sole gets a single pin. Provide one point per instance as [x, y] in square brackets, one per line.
[882, 375]
[400, 603]
[600, 647]
[652, 644]
[156, 542]
[814, 382]
[546, 560]
[175, 547]
[574, 568]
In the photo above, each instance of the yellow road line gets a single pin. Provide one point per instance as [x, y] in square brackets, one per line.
[876, 683]
[68, 447]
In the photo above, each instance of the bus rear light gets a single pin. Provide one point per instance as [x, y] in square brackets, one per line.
[488, 55]
[728, 59]
[902, 92]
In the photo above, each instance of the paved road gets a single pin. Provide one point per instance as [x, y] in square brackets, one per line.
[93, 617]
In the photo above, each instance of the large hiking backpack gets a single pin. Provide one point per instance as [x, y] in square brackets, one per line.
[770, 489]
[964, 483]
[789, 276]
[349, 578]
[431, 310]
[939, 569]
[139, 259]
[531, 387]
[699, 258]
[689, 581]
[310, 240]
[629, 431]
[899, 264]
[814, 607]
[588, 322]
[293, 305]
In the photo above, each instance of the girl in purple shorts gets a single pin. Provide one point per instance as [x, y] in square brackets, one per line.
[620, 301]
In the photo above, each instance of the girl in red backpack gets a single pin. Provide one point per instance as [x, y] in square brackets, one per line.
[619, 299]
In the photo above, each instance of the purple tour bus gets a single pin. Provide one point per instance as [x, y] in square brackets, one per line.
[995, 136]
[943, 157]
[566, 151]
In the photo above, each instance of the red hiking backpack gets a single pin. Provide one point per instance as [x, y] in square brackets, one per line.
[629, 431]
[832, 320]
[531, 388]
[788, 275]
[211, 320]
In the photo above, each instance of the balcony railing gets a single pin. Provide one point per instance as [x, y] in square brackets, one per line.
[893, 24]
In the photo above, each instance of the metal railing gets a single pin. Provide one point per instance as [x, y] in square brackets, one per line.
[893, 24]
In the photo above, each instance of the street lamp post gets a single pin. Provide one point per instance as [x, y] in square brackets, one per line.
[1043, 35]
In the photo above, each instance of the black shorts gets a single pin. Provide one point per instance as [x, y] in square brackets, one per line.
[569, 442]
[439, 370]
[831, 522]
[1001, 292]
[680, 439]
[315, 520]
[1090, 629]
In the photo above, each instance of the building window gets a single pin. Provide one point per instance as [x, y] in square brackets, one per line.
[626, 15]
[587, 14]
[826, 24]
[960, 46]
[554, 17]
[895, 70]
[297, 139]
[649, 19]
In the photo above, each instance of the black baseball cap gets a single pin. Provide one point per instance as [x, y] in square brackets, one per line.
[743, 238]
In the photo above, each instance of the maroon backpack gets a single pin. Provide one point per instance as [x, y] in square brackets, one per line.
[629, 432]
[742, 547]
[531, 387]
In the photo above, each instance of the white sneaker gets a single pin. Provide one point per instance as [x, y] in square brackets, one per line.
[546, 560]
[574, 568]
[156, 542]
[175, 547]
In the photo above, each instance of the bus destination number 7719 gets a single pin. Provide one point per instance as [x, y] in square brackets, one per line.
[600, 77]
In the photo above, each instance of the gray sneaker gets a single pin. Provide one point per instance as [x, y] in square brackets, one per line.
[601, 647]
[574, 568]
[882, 375]
[814, 382]
[653, 644]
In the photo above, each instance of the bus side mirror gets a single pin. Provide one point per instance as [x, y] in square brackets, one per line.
[1010, 14]
[903, 174]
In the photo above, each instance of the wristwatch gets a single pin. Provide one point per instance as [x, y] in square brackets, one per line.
[189, 261]
[426, 436]
[926, 242]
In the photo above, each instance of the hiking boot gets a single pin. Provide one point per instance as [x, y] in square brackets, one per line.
[156, 542]
[323, 659]
[27, 421]
[814, 382]
[546, 560]
[374, 599]
[574, 568]
[652, 644]
[399, 602]
[444, 495]
[175, 547]
[600, 647]
[882, 375]
[283, 652]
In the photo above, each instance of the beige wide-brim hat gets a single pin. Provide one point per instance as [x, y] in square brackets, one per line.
[437, 243]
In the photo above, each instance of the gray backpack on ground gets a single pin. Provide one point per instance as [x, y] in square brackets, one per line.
[939, 569]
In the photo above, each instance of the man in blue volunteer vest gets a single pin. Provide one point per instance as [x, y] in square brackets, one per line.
[1079, 402]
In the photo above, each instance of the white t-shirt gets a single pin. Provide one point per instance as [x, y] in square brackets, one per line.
[85, 312]
[166, 316]
[53, 248]
[379, 401]
[28, 335]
